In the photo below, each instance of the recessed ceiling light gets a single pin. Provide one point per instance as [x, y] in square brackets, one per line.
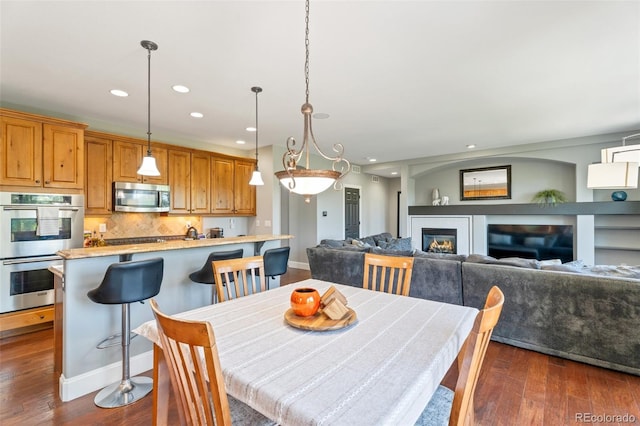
[240, 142]
[394, 173]
[197, 114]
[180, 89]
[250, 129]
[372, 160]
[118, 92]
[321, 115]
[471, 146]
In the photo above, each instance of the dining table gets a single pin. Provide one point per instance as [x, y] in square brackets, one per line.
[380, 369]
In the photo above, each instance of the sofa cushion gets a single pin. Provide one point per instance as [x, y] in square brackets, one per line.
[391, 252]
[332, 243]
[384, 236]
[396, 244]
[507, 261]
[443, 256]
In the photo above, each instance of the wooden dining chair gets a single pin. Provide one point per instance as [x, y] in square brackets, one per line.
[239, 277]
[449, 407]
[391, 274]
[189, 348]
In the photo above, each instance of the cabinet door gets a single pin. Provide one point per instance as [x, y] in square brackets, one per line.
[222, 186]
[200, 183]
[97, 189]
[160, 154]
[20, 152]
[127, 157]
[244, 194]
[180, 181]
[63, 157]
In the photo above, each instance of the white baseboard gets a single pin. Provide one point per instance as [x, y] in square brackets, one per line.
[298, 265]
[91, 381]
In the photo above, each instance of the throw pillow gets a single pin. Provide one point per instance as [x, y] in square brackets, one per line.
[397, 244]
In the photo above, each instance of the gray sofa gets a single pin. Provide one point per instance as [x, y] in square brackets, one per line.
[582, 314]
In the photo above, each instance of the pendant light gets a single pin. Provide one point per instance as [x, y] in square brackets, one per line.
[302, 179]
[148, 166]
[256, 177]
[618, 169]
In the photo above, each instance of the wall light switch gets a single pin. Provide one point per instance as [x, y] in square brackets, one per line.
[232, 223]
[267, 223]
[257, 222]
[102, 227]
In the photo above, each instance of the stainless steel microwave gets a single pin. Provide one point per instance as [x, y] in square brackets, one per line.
[140, 197]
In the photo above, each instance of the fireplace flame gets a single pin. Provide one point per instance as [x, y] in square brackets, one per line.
[446, 246]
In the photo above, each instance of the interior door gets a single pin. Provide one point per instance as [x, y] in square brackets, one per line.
[351, 213]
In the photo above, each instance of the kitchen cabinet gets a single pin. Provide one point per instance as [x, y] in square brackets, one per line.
[190, 182]
[231, 192]
[244, 195]
[127, 157]
[41, 152]
[98, 170]
[200, 183]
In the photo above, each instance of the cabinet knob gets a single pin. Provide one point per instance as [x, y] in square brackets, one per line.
[47, 182]
[37, 180]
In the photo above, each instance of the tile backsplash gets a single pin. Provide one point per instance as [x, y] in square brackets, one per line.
[134, 225]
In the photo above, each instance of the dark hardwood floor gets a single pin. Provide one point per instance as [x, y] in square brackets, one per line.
[516, 387]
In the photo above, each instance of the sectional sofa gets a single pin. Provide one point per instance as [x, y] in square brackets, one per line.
[586, 314]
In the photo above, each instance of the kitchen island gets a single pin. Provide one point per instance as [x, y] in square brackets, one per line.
[83, 368]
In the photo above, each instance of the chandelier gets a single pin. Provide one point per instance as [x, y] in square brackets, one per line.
[302, 179]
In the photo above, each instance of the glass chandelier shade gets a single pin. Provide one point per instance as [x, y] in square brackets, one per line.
[302, 179]
[148, 166]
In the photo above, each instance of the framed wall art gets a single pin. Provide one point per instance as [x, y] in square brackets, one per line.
[487, 183]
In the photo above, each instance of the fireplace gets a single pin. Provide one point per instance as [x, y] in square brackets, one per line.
[439, 240]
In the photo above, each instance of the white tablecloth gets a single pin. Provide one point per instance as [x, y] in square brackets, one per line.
[382, 370]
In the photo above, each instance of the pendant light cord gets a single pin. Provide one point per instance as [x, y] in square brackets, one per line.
[149, 101]
[256, 90]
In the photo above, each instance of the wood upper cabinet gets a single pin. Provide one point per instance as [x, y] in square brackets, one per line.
[231, 192]
[180, 181]
[98, 171]
[200, 183]
[63, 157]
[222, 186]
[244, 196]
[40, 152]
[21, 152]
[127, 157]
[190, 182]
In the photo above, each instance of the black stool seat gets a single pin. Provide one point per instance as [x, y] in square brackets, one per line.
[128, 282]
[275, 261]
[205, 275]
[123, 284]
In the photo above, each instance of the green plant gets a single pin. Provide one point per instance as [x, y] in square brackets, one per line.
[549, 197]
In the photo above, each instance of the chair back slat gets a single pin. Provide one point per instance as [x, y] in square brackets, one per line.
[471, 358]
[391, 274]
[239, 277]
[194, 369]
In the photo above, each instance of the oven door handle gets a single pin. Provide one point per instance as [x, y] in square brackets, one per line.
[72, 209]
[30, 260]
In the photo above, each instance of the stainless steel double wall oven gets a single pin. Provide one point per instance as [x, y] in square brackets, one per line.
[33, 227]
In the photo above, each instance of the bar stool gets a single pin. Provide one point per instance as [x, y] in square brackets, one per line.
[123, 284]
[205, 274]
[275, 262]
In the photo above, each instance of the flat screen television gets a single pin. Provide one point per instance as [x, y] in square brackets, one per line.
[542, 242]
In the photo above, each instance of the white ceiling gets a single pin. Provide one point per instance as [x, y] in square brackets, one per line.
[399, 79]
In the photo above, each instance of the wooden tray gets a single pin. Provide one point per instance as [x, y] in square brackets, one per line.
[319, 321]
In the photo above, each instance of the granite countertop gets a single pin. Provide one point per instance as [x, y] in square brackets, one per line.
[82, 253]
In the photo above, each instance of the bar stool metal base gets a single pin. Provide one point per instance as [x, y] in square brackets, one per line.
[124, 392]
